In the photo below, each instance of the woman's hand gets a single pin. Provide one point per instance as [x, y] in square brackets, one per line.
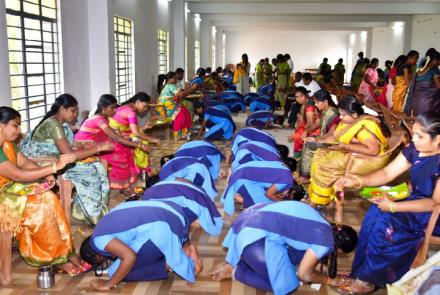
[100, 284]
[145, 148]
[346, 182]
[64, 160]
[148, 125]
[383, 203]
[106, 146]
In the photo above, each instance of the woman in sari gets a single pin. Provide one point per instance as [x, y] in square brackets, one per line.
[308, 120]
[52, 137]
[259, 74]
[283, 77]
[392, 231]
[392, 79]
[125, 122]
[169, 106]
[29, 210]
[425, 94]
[241, 75]
[96, 129]
[403, 79]
[356, 133]
[369, 80]
[358, 74]
[328, 120]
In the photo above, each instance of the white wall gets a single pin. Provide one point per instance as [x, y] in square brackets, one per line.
[357, 42]
[388, 42]
[307, 49]
[425, 33]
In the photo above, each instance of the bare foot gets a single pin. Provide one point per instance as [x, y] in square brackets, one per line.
[222, 271]
[6, 280]
[238, 199]
[228, 156]
[360, 287]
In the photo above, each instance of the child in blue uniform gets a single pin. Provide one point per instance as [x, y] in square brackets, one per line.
[219, 124]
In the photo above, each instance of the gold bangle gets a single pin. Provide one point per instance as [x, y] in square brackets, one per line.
[54, 168]
[392, 207]
[359, 180]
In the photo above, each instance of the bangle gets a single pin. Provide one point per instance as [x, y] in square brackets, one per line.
[346, 147]
[54, 168]
[392, 207]
[359, 180]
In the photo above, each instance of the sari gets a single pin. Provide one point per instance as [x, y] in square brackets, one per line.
[328, 119]
[122, 172]
[92, 189]
[169, 106]
[282, 82]
[241, 78]
[400, 89]
[340, 72]
[121, 121]
[358, 75]
[298, 141]
[259, 76]
[364, 88]
[424, 95]
[327, 166]
[35, 217]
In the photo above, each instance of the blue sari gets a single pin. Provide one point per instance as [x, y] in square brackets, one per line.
[259, 119]
[201, 149]
[252, 179]
[191, 169]
[92, 188]
[251, 134]
[155, 231]
[219, 124]
[388, 242]
[194, 202]
[254, 151]
[281, 233]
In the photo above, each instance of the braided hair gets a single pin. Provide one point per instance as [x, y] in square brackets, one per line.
[89, 255]
[346, 240]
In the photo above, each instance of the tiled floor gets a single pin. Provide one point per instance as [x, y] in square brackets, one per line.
[24, 277]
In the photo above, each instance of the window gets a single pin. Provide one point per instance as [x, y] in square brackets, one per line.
[196, 55]
[34, 57]
[124, 56]
[213, 56]
[162, 50]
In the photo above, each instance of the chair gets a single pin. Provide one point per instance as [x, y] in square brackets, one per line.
[422, 254]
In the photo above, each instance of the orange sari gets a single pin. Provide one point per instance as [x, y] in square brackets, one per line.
[37, 220]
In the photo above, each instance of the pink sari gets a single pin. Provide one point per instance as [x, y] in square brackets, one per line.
[364, 89]
[122, 172]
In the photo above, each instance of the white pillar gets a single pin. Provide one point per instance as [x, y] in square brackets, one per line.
[205, 30]
[369, 43]
[178, 34]
[219, 48]
[5, 83]
[407, 30]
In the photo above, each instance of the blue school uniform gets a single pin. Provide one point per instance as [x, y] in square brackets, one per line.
[252, 179]
[201, 150]
[234, 100]
[191, 169]
[267, 89]
[259, 119]
[248, 97]
[219, 124]
[260, 103]
[254, 151]
[195, 203]
[155, 231]
[251, 134]
[267, 242]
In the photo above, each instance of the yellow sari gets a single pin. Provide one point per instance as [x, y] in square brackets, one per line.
[35, 218]
[399, 93]
[328, 166]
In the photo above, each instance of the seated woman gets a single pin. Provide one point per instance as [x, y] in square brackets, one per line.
[254, 151]
[202, 150]
[169, 105]
[392, 232]
[125, 122]
[257, 182]
[356, 133]
[96, 129]
[308, 120]
[264, 120]
[271, 246]
[52, 137]
[329, 117]
[29, 210]
[219, 124]
[191, 169]
[251, 134]
[260, 103]
[194, 201]
[147, 238]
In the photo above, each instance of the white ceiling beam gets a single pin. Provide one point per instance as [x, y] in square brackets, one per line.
[348, 26]
[260, 8]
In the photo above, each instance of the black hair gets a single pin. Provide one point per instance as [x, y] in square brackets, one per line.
[430, 57]
[325, 59]
[298, 76]
[179, 71]
[287, 56]
[388, 63]
[208, 70]
[165, 159]
[323, 95]
[170, 75]
[412, 53]
[274, 60]
[340, 60]
[280, 57]
[361, 54]
[7, 114]
[374, 60]
[201, 72]
[296, 192]
[219, 70]
[366, 61]
[291, 163]
[105, 100]
[160, 82]
[244, 56]
[430, 122]
[279, 119]
[140, 96]
[266, 59]
[262, 60]
[399, 61]
[152, 180]
[301, 89]
[351, 105]
[88, 254]
[345, 238]
[430, 51]
[307, 76]
[64, 100]
[283, 150]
